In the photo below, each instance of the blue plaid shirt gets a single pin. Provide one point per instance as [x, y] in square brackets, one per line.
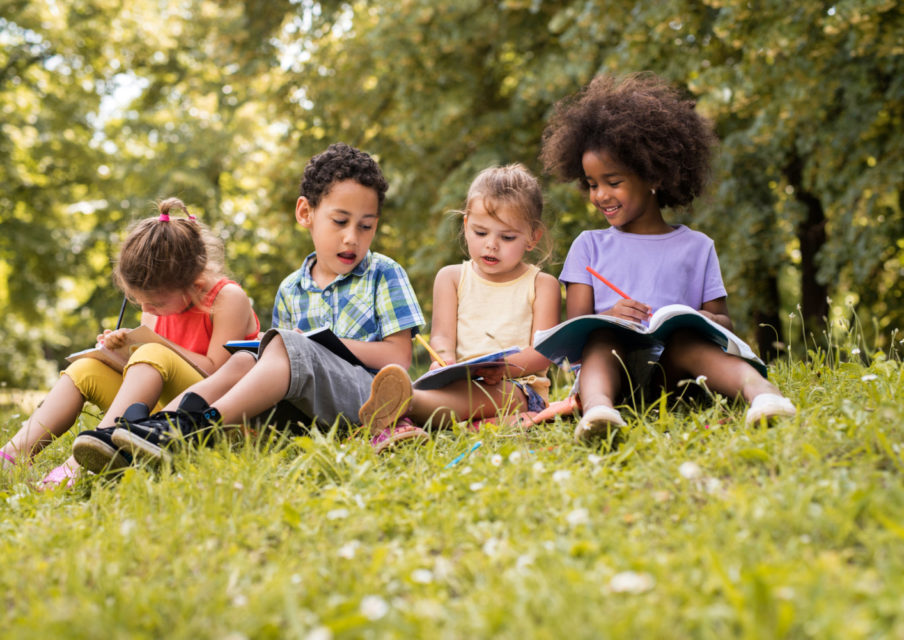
[372, 302]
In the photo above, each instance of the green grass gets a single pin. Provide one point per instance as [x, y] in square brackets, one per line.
[694, 527]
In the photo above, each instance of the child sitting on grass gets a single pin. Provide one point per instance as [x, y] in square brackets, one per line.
[636, 147]
[364, 297]
[491, 302]
[172, 267]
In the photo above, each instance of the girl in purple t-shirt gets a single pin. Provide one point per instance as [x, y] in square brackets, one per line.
[635, 147]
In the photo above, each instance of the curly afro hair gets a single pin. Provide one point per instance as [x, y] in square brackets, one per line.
[341, 162]
[644, 124]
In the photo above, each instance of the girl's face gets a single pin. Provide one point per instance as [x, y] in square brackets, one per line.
[626, 200]
[162, 303]
[497, 244]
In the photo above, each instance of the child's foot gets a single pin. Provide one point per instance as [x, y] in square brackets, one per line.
[390, 393]
[95, 451]
[56, 477]
[597, 422]
[405, 430]
[152, 437]
[768, 406]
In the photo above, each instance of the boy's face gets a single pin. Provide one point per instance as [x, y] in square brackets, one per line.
[342, 227]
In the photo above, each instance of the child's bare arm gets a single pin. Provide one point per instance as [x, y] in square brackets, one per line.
[579, 302]
[444, 324]
[717, 311]
[547, 313]
[393, 349]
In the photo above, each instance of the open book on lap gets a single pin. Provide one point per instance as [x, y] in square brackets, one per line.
[566, 341]
[443, 376]
[323, 336]
[118, 358]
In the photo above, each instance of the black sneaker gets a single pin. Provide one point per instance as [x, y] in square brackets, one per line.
[152, 437]
[95, 451]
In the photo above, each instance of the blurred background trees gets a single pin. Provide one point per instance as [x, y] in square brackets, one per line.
[107, 106]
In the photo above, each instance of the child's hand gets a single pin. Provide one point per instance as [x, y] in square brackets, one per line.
[436, 365]
[112, 339]
[628, 309]
[491, 375]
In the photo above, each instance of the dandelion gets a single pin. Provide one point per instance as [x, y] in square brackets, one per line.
[690, 470]
[496, 460]
[631, 582]
[537, 467]
[561, 475]
[515, 457]
[374, 607]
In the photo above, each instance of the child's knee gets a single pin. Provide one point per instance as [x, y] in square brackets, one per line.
[97, 382]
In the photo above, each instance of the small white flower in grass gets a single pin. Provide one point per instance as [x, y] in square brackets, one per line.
[631, 582]
[690, 470]
[348, 550]
[515, 457]
[422, 576]
[855, 351]
[238, 486]
[319, 633]
[126, 527]
[561, 475]
[295, 579]
[578, 517]
[869, 377]
[496, 460]
[374, 607]
[524, 560]
[713, 485]
[537, 467]
[337, 514]
[594, 459]
[491, 547]
[239, 601]
[476, 486]
[700, 380]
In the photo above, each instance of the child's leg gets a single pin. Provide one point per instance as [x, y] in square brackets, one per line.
[215, 386]
[600, 379]
[465, 400]
[265, 384]
[688, 355]
[86, 378]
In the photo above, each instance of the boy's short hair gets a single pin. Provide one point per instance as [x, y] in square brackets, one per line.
[341, 162]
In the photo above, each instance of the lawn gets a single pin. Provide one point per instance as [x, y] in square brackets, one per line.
[694, 527]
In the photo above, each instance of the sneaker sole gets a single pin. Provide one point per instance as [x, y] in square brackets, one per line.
[139, 447]
[97, 456]
[390, 393]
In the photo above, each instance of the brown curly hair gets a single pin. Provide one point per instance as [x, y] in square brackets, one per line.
[337, 163]
[644, 124]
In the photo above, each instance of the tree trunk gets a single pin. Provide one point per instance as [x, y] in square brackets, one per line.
[768, 324]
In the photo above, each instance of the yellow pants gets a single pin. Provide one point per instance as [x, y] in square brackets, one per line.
[99, 384]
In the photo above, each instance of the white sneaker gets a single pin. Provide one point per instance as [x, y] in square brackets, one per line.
[596, 423]
[767, 406]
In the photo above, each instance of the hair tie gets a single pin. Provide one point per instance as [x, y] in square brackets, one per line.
[192, 217]
[164, 217]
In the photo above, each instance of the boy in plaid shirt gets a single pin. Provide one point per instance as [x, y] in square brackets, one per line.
[364, 297]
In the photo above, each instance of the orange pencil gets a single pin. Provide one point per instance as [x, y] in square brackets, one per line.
[609, 284]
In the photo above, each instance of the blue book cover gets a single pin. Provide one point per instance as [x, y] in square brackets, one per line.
[443, 376]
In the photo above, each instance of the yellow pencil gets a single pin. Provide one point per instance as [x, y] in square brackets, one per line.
[433, 354]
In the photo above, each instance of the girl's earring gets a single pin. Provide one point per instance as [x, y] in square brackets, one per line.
[653, 191]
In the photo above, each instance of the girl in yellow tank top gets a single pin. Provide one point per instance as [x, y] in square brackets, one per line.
[489, 303]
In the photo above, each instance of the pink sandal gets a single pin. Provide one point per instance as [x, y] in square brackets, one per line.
[57, 476]
[11, 460]
[389, 437]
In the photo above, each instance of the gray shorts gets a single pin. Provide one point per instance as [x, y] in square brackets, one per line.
[322, 385]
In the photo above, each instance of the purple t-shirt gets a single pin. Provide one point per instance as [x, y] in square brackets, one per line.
[679, 267]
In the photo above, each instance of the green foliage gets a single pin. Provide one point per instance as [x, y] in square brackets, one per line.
[108, 107]
[694, 527]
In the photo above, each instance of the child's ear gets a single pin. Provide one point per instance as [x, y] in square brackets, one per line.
[303, 212]
[534, 239]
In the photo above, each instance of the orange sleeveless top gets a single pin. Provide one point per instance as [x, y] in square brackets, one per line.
[193, 328]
